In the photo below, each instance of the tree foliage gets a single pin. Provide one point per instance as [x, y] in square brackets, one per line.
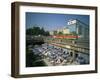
[35, 30]
[60, 33]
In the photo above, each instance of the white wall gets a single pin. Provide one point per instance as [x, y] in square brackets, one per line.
[5, 40]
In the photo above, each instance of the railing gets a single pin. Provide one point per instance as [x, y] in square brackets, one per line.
[70, 45]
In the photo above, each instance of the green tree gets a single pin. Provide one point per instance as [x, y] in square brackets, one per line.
[55, 32]
[35, 30]
[29, 31]
[60, 33]
[42, 32]
[47, 33]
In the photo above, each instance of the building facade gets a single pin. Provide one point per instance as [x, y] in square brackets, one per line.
[74, 28]
[60, 31]
[63, 31]
[78, 28]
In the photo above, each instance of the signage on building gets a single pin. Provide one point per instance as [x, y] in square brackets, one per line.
[71, 22]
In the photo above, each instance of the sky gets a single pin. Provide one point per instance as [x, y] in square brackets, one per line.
[52, 21]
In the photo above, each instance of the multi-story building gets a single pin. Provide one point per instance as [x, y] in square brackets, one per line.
[76, 27]
[63, 31]
[51, 32]
[66, 31]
